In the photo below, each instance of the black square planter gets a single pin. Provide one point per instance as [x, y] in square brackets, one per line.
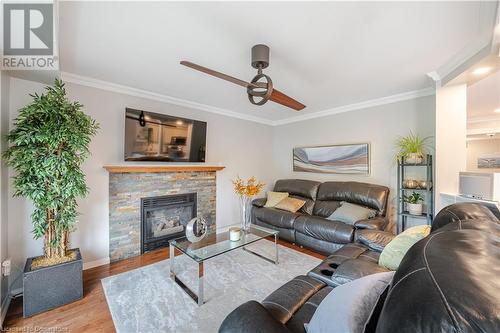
[50, 287]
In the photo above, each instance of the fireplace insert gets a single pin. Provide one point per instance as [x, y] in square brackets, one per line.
[164, 218]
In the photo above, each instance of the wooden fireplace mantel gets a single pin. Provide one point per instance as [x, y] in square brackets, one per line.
[161, 168]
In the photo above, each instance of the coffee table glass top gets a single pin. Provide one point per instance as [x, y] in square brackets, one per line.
[217, 242]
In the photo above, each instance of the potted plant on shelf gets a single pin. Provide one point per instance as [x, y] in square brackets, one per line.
[414, 203]
[412, 148]
[246, 191]
[48, 144]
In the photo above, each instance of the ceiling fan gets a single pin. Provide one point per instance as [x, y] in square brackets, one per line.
[260, 89]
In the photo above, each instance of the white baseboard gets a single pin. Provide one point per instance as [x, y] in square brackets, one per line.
[224, 228]
[5, 308]
[95, 263]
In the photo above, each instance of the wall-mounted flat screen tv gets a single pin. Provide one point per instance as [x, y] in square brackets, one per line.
[157, 137]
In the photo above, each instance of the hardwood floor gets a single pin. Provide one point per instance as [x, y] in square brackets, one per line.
[91, 314]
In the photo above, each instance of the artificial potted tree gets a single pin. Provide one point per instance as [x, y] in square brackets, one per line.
[412, 148]
[48, 144]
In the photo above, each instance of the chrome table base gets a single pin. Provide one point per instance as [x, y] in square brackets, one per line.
[199, 297]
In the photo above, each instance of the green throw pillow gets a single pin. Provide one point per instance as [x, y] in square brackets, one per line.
[350, 213]
[394, 252]
[273, 198]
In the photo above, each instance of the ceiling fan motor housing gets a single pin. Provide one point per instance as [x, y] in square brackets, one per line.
[260, 56]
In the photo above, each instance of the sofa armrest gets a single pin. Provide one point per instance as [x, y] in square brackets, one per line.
[353, 269]
[376, 223]
[259, 202]
[251, 317]
[376, 240]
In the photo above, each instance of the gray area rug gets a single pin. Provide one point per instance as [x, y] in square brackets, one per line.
[147, 300]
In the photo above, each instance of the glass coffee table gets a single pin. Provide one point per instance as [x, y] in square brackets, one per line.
[214, 244]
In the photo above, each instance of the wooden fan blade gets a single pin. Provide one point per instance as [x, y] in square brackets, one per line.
[280, 98]
[216, 74]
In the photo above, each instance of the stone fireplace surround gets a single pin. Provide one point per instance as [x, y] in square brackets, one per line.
[128, 184]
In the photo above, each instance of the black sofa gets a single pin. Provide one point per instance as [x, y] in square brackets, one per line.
[309, 226]
[447, 282]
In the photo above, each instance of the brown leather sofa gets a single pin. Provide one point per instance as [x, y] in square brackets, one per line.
[309, 226]
[446, 282]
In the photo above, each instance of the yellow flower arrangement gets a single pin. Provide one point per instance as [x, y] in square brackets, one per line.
[249, 189]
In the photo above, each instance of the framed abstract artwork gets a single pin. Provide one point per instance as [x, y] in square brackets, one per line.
[348, 158]
[490, 161]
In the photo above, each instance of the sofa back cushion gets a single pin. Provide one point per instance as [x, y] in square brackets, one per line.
[300, 189]
[447, 282]
[461, 212]
[330, 194]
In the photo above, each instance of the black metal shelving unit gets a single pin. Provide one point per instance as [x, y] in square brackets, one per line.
[427, 192]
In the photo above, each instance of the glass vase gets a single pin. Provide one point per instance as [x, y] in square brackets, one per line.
[245, 212]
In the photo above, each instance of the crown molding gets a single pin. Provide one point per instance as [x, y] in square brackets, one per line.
[358, 106]
[126, 90]
[479, 131]
[482, 46]
[483, 119]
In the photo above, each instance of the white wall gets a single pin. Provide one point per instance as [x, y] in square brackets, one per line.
[380, 126]
[245, 148]
[478, 148]
[242, 147]
[451, 135]
[4, 181]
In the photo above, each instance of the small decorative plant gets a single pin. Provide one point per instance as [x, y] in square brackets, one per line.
[48, 144]
[412, 148]
[246, 190]
[414, 203]
[414, 198]
[250, 188]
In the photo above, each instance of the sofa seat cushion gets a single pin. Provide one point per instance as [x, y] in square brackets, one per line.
[276, 217]
[286, 300]
[283, 233]
[323, 229]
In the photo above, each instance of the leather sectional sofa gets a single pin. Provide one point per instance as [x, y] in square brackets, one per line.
[309, 226]
[446, 282]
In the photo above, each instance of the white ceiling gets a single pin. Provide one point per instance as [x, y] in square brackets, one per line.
[325, 54]
[483, 97]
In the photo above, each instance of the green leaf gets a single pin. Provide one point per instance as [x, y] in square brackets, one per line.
[48, 145]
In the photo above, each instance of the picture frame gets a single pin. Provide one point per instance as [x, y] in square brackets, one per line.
[351, 158]
[489, 161]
